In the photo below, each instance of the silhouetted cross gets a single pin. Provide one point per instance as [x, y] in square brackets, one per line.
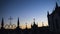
[10, 19]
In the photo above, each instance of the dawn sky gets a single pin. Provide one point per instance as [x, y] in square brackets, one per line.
[26, 10]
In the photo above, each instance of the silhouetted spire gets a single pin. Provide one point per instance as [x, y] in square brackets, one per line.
[47, 13]
[2, 23]
[10, 25]
[34, 24]
[18, 22]
[34, 21]
[56, 5]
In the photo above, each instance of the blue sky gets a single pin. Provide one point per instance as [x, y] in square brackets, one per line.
[26, 10]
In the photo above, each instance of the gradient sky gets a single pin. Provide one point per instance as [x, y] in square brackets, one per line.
[26, 10]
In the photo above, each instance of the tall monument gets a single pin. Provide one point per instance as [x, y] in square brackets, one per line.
[2, 24]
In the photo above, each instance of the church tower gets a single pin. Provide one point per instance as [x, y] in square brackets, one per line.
[2, 24]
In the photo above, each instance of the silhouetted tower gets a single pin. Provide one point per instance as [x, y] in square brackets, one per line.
[34, 21]
[2, 24]
[18, 23]
[34, 27]
[47, 13]
[18, 30]
[48, 17]
[34, 24]
[56, 6]
[2, 30]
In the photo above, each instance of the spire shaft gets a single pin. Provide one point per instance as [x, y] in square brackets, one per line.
[34, 20]
[18, 23]
[47, 13]
[56, 6]
[2, 23]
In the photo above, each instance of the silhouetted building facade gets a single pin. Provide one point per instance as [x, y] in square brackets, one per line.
[18, 29]
[54, 19]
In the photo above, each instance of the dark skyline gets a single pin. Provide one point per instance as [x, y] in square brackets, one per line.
[26, 10]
